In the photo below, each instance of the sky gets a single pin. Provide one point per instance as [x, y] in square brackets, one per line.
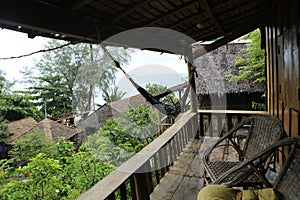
[145, 66]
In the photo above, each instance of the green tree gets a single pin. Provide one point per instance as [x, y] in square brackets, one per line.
[252, 63]
[120, 138]
[29, 146]
[74, 73]
[154, 88]
[112, 94]
[64, 175]
[4, 133]
[15, 106]
[53, 95]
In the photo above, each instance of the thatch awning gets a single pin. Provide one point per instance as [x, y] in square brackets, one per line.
[213, 67]
[96, 20]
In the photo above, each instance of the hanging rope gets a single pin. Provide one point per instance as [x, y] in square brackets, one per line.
[170, 110]
[36, 52]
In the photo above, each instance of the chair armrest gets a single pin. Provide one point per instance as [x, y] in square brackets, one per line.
[255, 165]
[230, 136]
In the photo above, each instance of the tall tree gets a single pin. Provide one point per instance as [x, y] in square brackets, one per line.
[14, 106]
[73, 73]
[113, 94]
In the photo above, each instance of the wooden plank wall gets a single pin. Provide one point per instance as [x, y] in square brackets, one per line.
[282, 63]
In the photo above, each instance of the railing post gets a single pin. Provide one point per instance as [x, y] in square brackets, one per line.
[201, 124]
[143, 182]
[193, 96]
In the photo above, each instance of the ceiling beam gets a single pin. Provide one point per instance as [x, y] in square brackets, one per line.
[171, 13]
[79, 5]
[43, 20]
[130, 9]
[184, 20]
[211, 14]
[237, 32]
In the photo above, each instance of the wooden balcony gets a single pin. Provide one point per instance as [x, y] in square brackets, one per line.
[171, 166]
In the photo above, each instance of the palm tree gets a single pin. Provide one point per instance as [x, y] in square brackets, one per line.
[113, 94]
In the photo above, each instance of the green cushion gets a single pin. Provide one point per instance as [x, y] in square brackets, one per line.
[221, 192]
[260, 194]
[218, 192]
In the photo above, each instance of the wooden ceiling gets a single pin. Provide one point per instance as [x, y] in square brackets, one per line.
[96, 20]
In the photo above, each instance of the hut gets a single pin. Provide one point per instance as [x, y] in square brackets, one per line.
[51, 129]
[18, 129]
[213, 85]
[91, 123]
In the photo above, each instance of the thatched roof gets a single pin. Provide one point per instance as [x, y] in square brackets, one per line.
[97, 20]
[19, 128]
[51, 129]
[213, 67]
[97, 119]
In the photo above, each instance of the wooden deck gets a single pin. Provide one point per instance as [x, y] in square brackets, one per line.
[185, 178]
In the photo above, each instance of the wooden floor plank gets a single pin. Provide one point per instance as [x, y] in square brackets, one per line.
[185, 178]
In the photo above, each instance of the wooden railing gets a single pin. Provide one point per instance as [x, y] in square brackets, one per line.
[137, 177]
[215, 123]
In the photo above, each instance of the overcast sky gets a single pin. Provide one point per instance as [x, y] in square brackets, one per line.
[143, 62]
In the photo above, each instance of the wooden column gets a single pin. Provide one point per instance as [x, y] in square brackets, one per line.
[193, 97]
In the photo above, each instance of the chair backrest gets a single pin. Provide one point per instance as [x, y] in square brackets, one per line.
[264, 131]
[288, 180]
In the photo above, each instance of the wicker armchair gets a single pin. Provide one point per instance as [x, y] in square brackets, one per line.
[262, 132]
[288, 179]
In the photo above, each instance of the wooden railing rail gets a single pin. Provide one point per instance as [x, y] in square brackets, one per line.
[137, 177]
[216, 122]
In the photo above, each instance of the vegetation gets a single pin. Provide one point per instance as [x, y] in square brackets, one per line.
[154, 88]
[67, 79]
[14, 106]
[4, 133]
[55, 172]
[121, 137]
[112, 94]
[46, 170]
[61, 81]
[251, 65]
[25, 148]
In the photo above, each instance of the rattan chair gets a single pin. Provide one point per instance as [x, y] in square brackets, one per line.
[262, 132]
[288, 179]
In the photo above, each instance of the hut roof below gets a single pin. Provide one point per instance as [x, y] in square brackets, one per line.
[19, 128]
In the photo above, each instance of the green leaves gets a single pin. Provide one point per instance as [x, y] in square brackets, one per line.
[64, 174]
[24, 148]
[252, 63]
[120, 138]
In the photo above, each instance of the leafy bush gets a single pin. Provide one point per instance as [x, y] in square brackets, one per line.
[29, 146]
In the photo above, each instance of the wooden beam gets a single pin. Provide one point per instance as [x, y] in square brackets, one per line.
[130, 10]
[236, 33]
[80, 4]
[184, 20]
[43, 19]
[171, 13]
[212, 16]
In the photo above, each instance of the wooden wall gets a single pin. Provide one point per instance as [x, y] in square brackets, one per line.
[282, 63]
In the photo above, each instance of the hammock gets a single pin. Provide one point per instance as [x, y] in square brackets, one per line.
[169, 110]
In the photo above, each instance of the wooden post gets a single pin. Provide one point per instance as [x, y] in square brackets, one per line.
[143, 182]
[159, 128]
[193, 97]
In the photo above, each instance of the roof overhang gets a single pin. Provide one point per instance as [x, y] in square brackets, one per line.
[97, 21]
